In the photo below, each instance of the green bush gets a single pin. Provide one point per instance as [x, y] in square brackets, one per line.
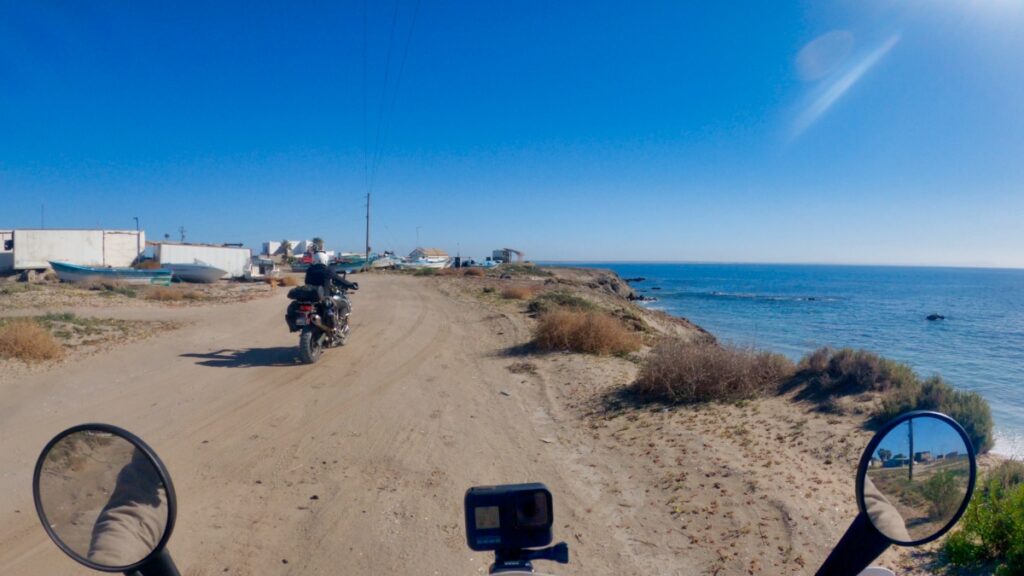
[991, 533]
[550, 301]
[967, 408]
[425, 272]
[826, 374]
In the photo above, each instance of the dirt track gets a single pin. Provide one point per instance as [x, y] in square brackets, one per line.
[355, 465]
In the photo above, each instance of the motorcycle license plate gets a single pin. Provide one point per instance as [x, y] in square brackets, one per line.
[301, 321]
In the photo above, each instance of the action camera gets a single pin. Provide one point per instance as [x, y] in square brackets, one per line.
[509, 517]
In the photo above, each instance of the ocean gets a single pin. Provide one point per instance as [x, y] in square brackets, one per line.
[793, 309]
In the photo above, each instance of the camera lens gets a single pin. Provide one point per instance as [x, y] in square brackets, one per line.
[532, 510]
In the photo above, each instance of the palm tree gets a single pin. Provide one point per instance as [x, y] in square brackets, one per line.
[319, 243]
[286, 250]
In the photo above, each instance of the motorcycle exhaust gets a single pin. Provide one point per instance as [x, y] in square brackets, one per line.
[315, 319]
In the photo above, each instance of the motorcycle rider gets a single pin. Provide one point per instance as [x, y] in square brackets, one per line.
[326, 278]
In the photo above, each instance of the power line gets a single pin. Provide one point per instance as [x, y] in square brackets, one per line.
[383, 91]
[366, 145]
[394, 95]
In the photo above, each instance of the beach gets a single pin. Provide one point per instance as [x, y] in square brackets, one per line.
[361, 460]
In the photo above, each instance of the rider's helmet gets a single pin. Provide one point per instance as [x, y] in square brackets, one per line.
[320, 258]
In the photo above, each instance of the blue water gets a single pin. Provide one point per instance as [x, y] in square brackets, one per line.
[793, 309]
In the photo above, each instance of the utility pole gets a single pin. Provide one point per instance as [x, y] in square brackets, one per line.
[366, 263]
[910, 434]
[181, 230]
[138, 240]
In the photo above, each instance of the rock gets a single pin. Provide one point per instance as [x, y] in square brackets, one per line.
[656, 288]
[637, 279]
[934, 317]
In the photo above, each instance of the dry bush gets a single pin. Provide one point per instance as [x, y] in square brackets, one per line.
[518, 292]
[290, 281]
[473, 272]
[163, 294]
[26, 339]
[826, 372]
[678, 371]
[588, 332]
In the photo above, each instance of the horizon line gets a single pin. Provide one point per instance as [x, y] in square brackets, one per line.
[748, 263]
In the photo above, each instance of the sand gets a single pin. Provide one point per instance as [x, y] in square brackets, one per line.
[358, 464]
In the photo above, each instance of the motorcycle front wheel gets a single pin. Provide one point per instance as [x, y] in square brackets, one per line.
[310, 345]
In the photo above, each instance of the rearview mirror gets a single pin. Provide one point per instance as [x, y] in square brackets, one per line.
[104, 497]
[916, 477]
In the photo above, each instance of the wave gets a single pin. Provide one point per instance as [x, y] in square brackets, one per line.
[715, 294]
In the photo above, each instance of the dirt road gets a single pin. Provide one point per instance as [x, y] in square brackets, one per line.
[355, 465]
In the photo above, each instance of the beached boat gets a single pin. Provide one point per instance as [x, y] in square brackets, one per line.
[199, 272]
[436, 262]
[74, 273]
[385, 262]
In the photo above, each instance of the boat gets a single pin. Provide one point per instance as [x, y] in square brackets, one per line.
[198, 272]
[68, 272]
[435, 262]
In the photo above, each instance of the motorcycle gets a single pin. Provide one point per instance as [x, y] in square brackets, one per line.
[321, 321]
[106, 499]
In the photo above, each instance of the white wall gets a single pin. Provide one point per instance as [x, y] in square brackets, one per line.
[235, 261]
[36, 248]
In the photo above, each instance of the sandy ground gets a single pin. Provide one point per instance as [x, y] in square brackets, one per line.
[358, 464]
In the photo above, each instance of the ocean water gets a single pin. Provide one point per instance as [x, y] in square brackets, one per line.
[793, 309]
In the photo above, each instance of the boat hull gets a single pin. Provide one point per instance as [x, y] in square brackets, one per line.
[75, 274]
[196, 273]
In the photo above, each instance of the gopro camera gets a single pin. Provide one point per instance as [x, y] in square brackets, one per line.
[509, 517]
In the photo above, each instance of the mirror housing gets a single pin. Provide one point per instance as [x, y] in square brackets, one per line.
[142, 465]
[942, 465]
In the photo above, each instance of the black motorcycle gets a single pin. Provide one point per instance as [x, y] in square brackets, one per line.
[321, 318]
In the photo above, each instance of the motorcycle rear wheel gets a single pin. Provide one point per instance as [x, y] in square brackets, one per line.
[310, 345]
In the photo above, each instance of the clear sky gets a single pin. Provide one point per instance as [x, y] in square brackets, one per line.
[860, 131]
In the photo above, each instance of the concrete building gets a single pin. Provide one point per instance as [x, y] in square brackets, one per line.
[507, 255]
[33, 249]
[234, 259]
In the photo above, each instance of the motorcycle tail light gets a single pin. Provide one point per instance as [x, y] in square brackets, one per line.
[305, 308]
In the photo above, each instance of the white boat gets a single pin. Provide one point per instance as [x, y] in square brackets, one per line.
[199, 272]
[435, 262]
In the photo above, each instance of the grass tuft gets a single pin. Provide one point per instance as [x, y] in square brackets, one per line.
[683, 372]
[586, 332]
[558, 299]
[518, 292]
[25, 339]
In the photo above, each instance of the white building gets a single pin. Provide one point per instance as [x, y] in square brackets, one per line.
[427, 253]
[34, 249]
[234, 259]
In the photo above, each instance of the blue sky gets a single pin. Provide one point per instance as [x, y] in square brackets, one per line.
[852, 132]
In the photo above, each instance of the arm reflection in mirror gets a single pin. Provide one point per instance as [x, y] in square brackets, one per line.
[133, 521]
[883, 514]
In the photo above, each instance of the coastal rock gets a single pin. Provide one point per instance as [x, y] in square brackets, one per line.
[632, 280]
[934, 317]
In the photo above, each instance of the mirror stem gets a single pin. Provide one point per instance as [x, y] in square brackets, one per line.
[160, 565]
[858, 548]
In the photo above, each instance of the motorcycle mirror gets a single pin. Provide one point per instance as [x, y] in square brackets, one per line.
[916, 477]
[106, 499]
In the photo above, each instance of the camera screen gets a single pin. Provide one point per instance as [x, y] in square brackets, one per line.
[486, 517]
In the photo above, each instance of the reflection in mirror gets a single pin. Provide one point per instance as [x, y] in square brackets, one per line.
[917, 479]
[103, 498]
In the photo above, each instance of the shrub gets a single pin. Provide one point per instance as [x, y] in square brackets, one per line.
[163, 294]
[26, 339]
[967, 408]
[426, 272]
[587, 332]
[678, 371]
[549, 301]
[289, 281]
[943, 493]
[826, 374]
[991, 533]
[473, 272]
[109, 287]
[518, 292]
